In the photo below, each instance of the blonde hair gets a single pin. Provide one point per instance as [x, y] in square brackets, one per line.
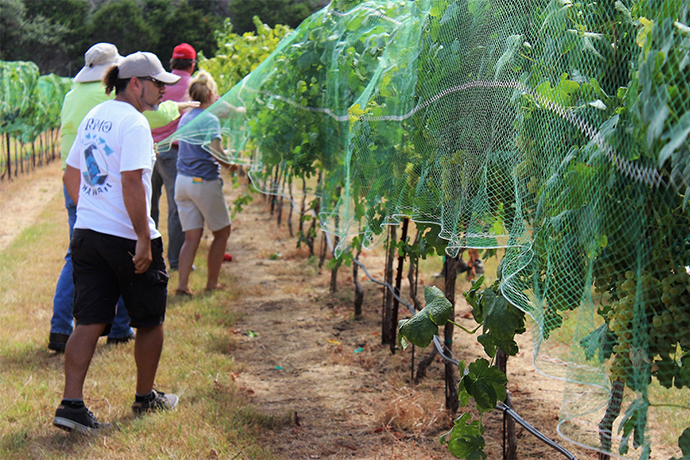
[202, 87]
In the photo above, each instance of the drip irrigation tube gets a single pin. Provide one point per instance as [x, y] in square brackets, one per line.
[441, 351]
[508, 411]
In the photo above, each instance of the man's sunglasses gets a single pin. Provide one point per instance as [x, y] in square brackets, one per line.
[158, 83]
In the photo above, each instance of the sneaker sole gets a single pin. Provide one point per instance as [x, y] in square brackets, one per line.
[69, 425]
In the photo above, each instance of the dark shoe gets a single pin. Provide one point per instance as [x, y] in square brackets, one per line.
[158, 401]
[80, 419]
[57, 341]
[120, 340]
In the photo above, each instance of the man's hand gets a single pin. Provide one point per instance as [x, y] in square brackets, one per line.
[142, 259]
[134, 196]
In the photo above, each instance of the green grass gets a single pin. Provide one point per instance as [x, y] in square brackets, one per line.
[213, 419]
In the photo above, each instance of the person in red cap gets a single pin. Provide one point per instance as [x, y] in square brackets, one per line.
[164, 171]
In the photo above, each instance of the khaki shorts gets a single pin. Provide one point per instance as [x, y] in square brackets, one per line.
[200, 200]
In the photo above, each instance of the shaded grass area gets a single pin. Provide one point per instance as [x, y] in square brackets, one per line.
[213, 419]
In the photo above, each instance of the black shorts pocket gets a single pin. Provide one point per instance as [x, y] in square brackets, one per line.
[155, 277]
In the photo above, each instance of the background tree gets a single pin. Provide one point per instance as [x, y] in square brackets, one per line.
[287, 12]
[55, 34]
[61, 53]
[189, 23]
[122, 23]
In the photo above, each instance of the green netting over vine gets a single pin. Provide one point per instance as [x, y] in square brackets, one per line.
[557, 130]
[29, 104]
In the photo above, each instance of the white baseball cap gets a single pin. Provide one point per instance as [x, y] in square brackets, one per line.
[144, 64]
[98, 59]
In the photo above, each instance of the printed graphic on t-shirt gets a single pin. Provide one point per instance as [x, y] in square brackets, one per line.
[95, 150]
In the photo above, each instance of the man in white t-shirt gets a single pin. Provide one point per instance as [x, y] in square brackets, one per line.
[116, 248]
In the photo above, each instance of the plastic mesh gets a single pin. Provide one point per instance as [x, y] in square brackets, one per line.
[557, 130]
[29, 104]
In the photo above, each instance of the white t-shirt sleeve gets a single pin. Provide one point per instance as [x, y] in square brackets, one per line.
[137, 148]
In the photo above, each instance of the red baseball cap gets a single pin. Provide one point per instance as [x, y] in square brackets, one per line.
[184, 51]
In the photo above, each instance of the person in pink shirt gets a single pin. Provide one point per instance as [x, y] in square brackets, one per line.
[165, 171]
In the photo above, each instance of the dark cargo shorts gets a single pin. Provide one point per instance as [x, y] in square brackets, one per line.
[103, 271]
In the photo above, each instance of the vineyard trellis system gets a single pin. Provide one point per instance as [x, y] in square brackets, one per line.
[554, 130]
[19, 158]
[389, 321]
[30, 108]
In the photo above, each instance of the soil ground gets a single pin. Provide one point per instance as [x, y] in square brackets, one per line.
[306, 361]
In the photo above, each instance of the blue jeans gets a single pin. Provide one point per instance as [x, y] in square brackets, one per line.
[62, 320]
[163, 175]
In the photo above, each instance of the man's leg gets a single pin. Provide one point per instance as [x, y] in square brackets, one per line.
[120, 331]
[168, 171]
[78, 354]
[147, 353]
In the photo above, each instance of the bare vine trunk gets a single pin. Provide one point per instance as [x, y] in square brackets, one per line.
[274, 186]
[300, 225]
[292, 208]
[613, 410]
[412, 276]
[280, 197]
[359, 292]
[336, 240]
[8, 165]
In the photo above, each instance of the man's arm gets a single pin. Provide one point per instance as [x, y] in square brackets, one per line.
[72, 180]
[134, 196]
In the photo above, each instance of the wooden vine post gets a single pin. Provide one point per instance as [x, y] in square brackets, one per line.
[509, 453]
[452, 402]
[398, 283]
[387, 294]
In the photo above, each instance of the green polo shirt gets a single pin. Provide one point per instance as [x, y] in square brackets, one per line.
[85, 96]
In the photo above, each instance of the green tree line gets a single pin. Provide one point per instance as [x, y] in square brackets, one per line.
[54, 34]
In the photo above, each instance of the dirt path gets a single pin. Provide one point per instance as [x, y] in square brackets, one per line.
[301, 352]
[23, 198]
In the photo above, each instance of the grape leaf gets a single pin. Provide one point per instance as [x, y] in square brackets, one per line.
[501, 322]
[599, 339]
[422, 327]
[675, 138]
[466, 440]
[683, 377]
[486, 384]
[666, 370]
[634, 421]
